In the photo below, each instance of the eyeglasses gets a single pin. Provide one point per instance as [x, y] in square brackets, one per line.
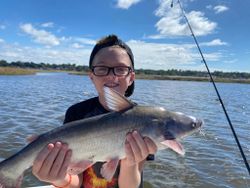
[104, 71]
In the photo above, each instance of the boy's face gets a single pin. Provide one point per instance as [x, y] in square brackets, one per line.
[112, 57]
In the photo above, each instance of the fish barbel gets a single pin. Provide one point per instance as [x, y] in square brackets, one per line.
[101, 138]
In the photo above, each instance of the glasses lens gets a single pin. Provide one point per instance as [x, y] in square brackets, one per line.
[121, 71]
[100, 71]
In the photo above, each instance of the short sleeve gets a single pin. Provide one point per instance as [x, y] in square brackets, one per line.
[69, 115]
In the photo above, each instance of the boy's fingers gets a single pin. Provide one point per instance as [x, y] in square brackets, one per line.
[152, 148]
[134, 147]
[64, 167]
[141, 145]
[48, 162]
[42, 155]
[129, 153]
[58, 161]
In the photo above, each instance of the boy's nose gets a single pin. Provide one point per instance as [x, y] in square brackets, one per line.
[111, 73]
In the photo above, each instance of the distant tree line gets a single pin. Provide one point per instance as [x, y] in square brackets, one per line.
[175, 72]
[44, 66]
[171, 72]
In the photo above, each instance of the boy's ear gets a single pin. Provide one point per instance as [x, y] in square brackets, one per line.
[132, 77]
[90, 75]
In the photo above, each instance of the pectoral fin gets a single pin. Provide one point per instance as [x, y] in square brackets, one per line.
[108, 169]
[174, 145]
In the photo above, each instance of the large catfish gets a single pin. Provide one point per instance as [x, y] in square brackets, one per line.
[102, 137]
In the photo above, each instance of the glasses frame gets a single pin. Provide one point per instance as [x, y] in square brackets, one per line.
[113, 70]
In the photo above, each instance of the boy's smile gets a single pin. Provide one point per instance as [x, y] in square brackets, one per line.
[111, 85]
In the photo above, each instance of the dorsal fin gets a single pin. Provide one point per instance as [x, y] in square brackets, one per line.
[115, 101]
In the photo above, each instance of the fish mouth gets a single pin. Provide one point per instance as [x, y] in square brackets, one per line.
[201, 128]
[198, 124]
[196, 128]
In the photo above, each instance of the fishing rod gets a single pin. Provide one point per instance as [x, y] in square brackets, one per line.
[217, 92]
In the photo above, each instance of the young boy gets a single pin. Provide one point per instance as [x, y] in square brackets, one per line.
[112, 65]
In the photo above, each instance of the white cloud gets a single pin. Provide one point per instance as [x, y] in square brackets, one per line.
[147, 55]
[231, 61]
[40, 36]
[85, 41]
[215, 42]
[1, 40]
[172, 23]
[11, 54]
[210, 57]
[200, 24]
[165, 8]
[48, 24]
[38, 54]
[77, 42]
[209, 6]
[2, 27]
[125, 4]
[167, 56]
[220, 8]
[77, 45]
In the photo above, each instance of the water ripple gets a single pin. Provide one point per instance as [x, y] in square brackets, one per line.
[37, 103]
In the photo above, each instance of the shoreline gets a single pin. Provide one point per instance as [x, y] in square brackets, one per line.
[180, 78]
[12, 71]
[192, 78]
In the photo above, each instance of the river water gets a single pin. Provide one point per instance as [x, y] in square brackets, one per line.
[34, 104]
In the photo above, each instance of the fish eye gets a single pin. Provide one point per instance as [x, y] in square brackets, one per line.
[194, 125]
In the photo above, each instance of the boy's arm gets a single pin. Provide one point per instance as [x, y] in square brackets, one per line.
[130, 176]
[137, 149]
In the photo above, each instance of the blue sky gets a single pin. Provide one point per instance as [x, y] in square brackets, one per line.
[64, 31]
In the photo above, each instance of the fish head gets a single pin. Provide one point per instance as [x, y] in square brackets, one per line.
[178, 125]
[166, 128]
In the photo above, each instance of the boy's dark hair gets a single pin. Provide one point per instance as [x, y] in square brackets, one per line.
[113, 40]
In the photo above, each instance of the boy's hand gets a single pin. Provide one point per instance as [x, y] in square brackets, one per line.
[138, 148]
[52, 162]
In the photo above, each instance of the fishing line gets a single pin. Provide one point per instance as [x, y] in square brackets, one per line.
[217, 92]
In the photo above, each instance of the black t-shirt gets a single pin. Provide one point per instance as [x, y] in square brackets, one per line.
[92, 176]
[84, 109]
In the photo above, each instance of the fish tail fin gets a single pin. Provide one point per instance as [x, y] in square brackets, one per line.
[7, 181]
